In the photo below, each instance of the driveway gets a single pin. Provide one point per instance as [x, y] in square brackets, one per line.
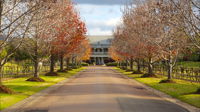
[100, 89]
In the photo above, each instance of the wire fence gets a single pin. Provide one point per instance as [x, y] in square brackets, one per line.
[182, 73]
[22, 69]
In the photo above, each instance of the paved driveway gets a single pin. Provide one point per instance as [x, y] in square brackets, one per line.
[100, 89]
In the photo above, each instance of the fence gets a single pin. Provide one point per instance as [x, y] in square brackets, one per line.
[22, 69]
[189, 74]
[182, 73]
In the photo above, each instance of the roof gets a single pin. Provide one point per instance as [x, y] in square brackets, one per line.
[105, 39]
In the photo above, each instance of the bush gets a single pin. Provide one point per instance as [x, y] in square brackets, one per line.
[112, 64]
[84, 64]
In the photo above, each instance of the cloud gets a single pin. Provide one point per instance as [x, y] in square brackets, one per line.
[99, 31]
[112, 22]
[102, 27]
[101, 18]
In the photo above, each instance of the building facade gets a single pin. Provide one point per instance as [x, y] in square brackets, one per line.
[100, 46]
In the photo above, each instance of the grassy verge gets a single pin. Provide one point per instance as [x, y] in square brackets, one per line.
[181, 90]
[25, 89]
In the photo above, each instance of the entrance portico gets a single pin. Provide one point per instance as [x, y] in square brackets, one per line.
[100, 46]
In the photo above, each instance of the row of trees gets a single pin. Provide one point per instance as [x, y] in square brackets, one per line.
[157, 31]
[43, 29]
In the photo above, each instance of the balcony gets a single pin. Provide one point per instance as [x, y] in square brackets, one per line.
[100, 54]
[100, 45]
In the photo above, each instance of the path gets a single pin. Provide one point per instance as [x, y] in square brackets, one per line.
[100, 89]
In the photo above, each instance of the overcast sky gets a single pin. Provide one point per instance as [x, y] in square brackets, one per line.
[101, 16]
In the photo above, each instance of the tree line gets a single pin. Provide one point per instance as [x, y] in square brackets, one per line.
[42, 29]
[157, 31]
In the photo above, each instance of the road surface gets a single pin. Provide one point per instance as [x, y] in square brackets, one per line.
[100, 89]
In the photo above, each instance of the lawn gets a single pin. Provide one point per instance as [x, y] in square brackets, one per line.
[188, 64]
[181, 90]
[24, 89]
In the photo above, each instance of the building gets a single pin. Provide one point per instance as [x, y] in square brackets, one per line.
[100, 46]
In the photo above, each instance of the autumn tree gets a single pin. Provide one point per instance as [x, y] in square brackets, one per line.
[66, 35]
[147, 29]
[82, 52]
[152, 30]
[36, 42]
[115, 56]
[119, 45]
[190, 18]
[137, 33]
[15, 19]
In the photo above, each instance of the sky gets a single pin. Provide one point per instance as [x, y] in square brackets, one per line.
[100, 16]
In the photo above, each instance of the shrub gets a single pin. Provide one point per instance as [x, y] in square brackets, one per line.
[84, 64]
[112, 64]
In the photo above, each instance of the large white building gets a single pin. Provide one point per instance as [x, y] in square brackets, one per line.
[100, 46]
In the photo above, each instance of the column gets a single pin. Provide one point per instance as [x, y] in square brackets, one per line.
[95, 60]
[98, 61]
[102, 61]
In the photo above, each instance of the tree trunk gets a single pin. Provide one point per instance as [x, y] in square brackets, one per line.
[131, 64]
[118, 64]
[123, 64]
[1, 75]
[73, 62]
[138, 66]
[67, 63]
[170, 68]
[36, 74]
[150, 67]
[126, 64]
[52, 63]
[76, 63]
[61, 62]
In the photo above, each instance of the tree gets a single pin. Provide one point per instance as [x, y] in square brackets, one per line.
[119, 45]
[151, 31]
[190, 18]
[66, 34]
[189, 12]
[15, 19]
[148, 29]
[36, 42]
[172, 40]
[138, 31]
[82, 52]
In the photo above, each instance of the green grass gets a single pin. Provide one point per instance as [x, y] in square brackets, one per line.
[181, 90]
[189, 64]
[25, 89]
